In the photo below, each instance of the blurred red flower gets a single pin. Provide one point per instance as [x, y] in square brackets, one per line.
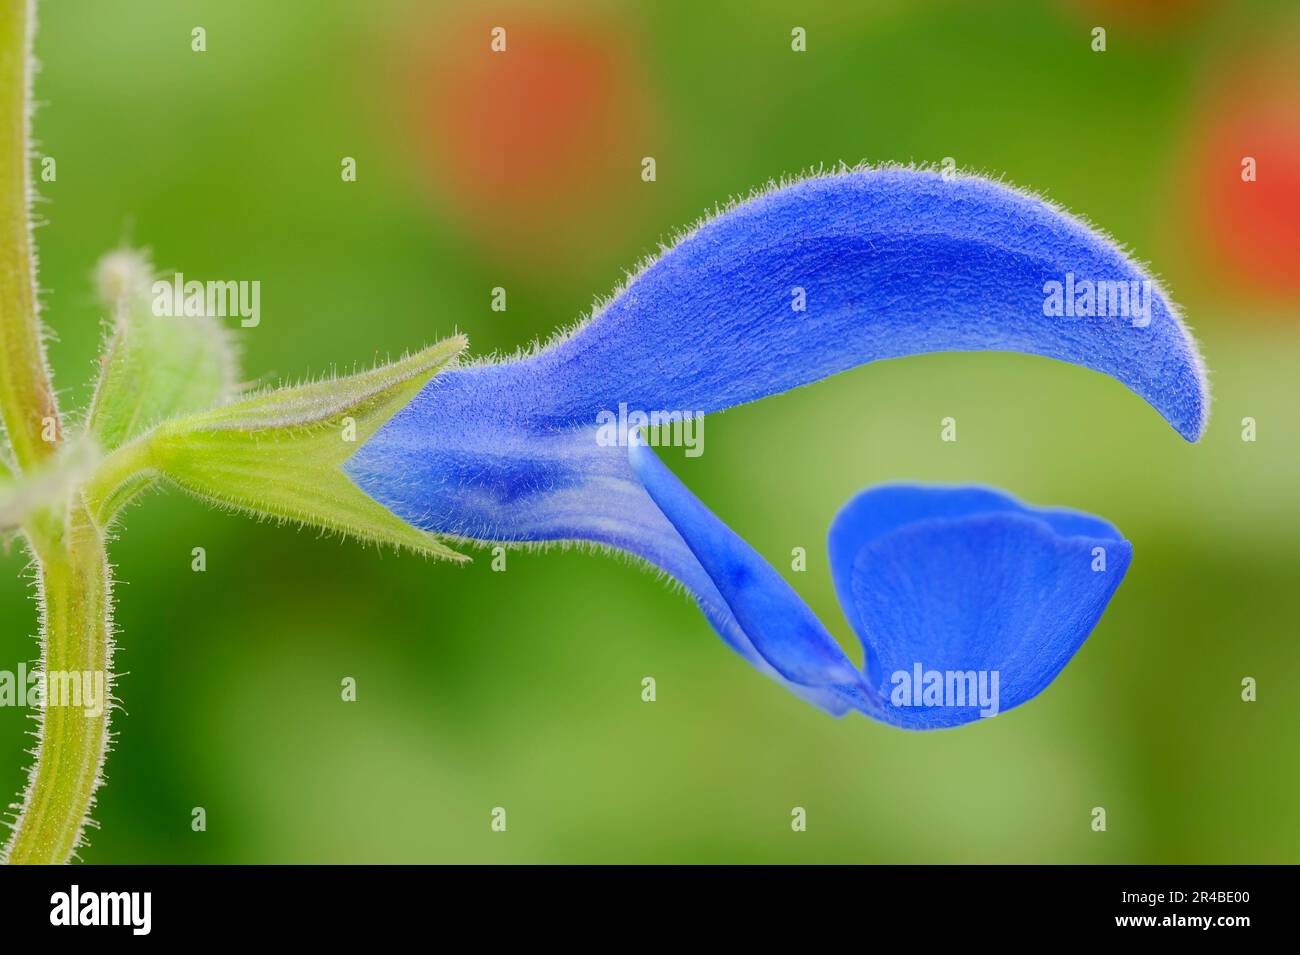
[528, 144]
[1251, 230]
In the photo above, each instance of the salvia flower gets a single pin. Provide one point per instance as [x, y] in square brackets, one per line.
[967, 601]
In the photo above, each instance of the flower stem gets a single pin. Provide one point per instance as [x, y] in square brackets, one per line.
[117, 479]
[76, 650]
[67, 545]
[27, 405]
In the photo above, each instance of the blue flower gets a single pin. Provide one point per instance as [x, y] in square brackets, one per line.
[792, 286]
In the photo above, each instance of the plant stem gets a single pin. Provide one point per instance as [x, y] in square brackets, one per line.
[68, 547]
[119, 478]
[27, 402]
[76, 639]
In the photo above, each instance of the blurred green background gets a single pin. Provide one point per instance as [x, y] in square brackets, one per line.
[522, 689]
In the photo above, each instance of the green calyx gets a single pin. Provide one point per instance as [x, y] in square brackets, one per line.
[279, 454]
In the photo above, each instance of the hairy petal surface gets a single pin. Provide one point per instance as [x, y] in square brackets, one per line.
[892, 262]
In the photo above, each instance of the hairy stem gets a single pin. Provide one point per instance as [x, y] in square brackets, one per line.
[67, 545]
[27, 404]
[76, 657]
[117, 480]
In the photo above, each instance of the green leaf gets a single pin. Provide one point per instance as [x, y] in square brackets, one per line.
[279, 454]
[155, 367]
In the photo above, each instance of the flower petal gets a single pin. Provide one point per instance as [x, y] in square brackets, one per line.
[891, 262]
[779, 626]
[954, 580]
[887, 263]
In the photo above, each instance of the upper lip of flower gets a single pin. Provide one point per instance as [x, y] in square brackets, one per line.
[890, 262]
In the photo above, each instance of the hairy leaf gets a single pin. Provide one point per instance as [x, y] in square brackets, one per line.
[155, 367]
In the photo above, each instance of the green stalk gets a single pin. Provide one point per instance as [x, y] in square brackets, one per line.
[27, 403]
[67, 545]
[118, 478]
[76, 638]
